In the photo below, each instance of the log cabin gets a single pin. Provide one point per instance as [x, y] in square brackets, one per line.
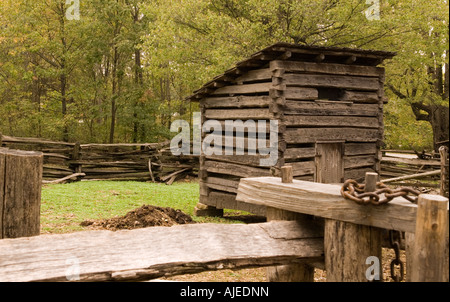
[321, 97]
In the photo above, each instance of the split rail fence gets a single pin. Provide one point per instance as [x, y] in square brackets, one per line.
[325, 231]
[75, 161]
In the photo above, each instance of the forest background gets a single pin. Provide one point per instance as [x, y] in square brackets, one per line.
[109, 71]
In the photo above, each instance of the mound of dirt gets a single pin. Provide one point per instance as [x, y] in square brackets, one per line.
[143, 217]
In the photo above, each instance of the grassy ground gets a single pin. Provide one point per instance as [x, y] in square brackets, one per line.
[64, 207]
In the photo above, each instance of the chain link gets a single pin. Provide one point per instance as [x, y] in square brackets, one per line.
[395, 245]
[352, 190]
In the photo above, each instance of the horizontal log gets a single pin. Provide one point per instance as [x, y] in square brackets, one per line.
[255, 75]
[322, 200]
[244, 89]
[299, 153]
[55, 155]
[28, 140]
[311, 135]
[327, 68]
[331, 121]
[411, 161]
[153, 146]
[359, 161]
[239, 114]
[299, 93]
[235, 169]
[219, 143]
[302, 168]
[75, 176]
[151, 253]
[360, 97]
[222, 184]
[414, 176]
[250, 160]
[358, 174]
[360, 149]
[223, 200]
[330, 109]
[119, 175]
[237, 102]
[331, 81]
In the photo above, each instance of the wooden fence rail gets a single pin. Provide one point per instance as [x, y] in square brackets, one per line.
[75, 161]
[151, 253]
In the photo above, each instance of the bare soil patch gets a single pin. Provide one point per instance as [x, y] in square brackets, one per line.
[143, 217]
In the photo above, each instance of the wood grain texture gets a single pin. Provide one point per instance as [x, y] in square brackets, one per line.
[326, 201]
[431, 240]
[327, 68]
[146, 254]
[20, 196]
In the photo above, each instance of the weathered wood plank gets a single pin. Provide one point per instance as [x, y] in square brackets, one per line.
[255, 75]
[219, 143]
[237, 102]
[360, 149]
[311, 135]
[226, 200]
[327, 68]
[326, 201]
[238, 114]
[299, 153]
[411, 161]
[330, 109]
[235, 169]
[223, 184]
[146, 254]
[302, 168]
[347, 82]
[359, 96]
[331, 121]
[299, 93]
[352, 162]
[251, 160]
[244, 89]
[358, 174]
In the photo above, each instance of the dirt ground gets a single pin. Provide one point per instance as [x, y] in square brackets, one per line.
[143, 217]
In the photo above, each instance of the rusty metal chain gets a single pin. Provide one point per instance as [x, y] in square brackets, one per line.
[352, 190]
[395, 245]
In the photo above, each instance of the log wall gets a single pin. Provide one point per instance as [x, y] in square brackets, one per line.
[313, 102]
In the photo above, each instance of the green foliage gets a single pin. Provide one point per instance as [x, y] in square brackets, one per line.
[123, 71]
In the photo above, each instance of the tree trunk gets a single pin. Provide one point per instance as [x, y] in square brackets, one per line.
[439, 119]
[114, 96]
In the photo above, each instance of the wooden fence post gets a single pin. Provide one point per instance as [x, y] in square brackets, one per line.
[20, 193]
[298, 272]
[430, 257]
[348, 247]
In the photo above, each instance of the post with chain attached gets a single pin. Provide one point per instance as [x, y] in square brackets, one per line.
[353, 252]
[430, 256]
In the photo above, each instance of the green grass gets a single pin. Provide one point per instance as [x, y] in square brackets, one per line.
[64, 207]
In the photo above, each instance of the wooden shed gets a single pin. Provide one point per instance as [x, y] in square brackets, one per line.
[327, 101]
